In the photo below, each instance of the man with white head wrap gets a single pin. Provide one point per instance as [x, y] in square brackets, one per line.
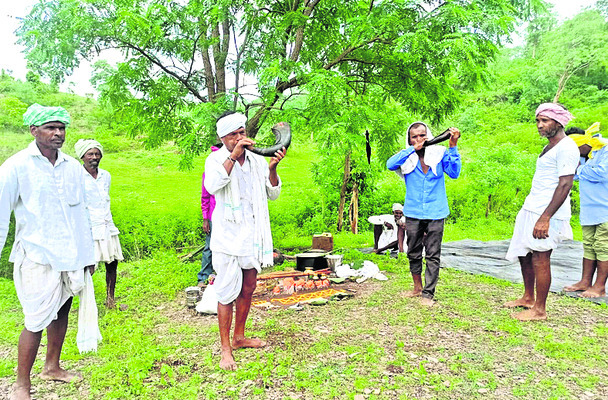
[544, 220]
[53, 248]
[592, 175]
[105, 233]
[389, 231]
[242, 183]
[426, 202]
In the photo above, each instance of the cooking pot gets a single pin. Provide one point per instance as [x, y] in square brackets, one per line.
[315, 260]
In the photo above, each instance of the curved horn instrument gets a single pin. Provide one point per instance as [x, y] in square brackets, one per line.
[282, 134]
[445, 135]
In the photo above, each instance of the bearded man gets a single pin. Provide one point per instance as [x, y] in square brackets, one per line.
[544, 220]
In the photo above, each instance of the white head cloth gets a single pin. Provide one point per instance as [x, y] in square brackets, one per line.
[230, 123]
[432, 154]
[84, 145]
[397, 207]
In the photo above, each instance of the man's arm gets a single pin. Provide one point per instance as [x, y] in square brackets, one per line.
[595, 173]
[9, 189]
[88, 229]
[451, 161]
[541, 229]
[396, 161]
[205, 206]
[401, 237]
[272, 166]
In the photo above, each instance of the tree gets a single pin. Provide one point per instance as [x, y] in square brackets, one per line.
[347, 58]
[176, 54]
[573, 48]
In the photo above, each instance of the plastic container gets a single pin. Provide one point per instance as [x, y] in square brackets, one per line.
[333, 260]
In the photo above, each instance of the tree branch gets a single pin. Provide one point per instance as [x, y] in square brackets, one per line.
[194, 91]
[347, 51]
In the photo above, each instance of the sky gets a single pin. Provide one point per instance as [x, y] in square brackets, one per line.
[12, 58]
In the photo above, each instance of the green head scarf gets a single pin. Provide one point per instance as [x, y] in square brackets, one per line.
[39, 115]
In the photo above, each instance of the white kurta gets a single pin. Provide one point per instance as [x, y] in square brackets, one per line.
[241, 226]
[561, 160]
[53, 241]
[53, 226]
[105, 233]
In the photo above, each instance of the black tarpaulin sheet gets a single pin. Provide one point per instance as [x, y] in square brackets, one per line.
[488, 258]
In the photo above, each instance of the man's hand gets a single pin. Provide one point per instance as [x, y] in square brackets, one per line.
[278, 156]
[206, 226]
[541, 229]
[240, 147]
[91, 269]
[454, 136]
[388, 225]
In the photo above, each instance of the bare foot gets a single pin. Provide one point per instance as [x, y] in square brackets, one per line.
[577, 287]
[60, 375]
[247, 343]
[529, 315]
[227, 362]
[20, 393]
[593, 293]
[525, 303]
[412, 293]
[425, 301]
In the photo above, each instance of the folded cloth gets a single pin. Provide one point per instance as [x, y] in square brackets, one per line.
[37, 115]
[84, 145]
[432, 157]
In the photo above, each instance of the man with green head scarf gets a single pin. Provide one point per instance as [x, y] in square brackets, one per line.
[53, 246]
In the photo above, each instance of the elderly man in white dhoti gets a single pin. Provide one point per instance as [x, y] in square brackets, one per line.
[53, 248]
[105, 233]
[242, 183]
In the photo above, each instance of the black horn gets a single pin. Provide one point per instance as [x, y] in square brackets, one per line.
[438, 139]
[282, 134]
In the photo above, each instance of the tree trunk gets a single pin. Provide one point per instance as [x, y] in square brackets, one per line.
[343, 191]
[353, 210]
[561, 85]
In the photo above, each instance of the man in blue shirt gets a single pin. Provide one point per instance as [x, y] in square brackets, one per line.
[426, 203]
[592, 174]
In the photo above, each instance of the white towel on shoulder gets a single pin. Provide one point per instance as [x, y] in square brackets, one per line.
[432, 157]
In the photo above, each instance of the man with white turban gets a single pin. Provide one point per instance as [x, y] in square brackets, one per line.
[544, 220]
[389, 231]
[426, 203]
[592, 175]
[105, 233]
[53, 249]
[242, 183]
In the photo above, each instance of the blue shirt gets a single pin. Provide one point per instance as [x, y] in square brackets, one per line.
[425, 196]
[593, 177]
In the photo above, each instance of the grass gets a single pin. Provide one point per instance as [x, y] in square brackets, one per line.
[377, 344]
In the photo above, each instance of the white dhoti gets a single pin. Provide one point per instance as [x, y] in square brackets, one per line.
[229, 279]
[523, 242]
[42, 291]
[107, 245]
